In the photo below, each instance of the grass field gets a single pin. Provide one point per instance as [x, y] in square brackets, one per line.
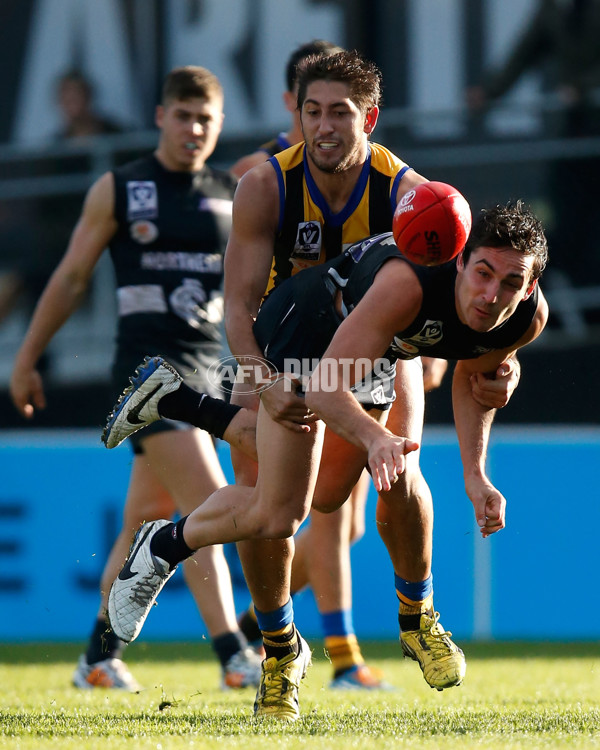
[514, 696]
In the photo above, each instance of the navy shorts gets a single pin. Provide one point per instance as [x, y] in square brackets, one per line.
[298, 320]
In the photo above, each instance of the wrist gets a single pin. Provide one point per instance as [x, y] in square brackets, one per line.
[272, 380]
[371, 434]
[255, 371]
[474, 474]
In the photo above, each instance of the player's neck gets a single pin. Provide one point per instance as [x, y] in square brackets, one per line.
[336, 188]
[294, 135]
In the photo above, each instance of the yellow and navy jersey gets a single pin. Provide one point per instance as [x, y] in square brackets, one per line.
[308, 232]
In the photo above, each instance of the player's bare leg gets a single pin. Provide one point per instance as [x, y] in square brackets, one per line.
[405, 524]
[328, 558]
[288, 467]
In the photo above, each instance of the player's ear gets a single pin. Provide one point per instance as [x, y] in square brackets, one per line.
[460, 262]
[159, 114]
[290, 101]
[371, 119]
[530, 289]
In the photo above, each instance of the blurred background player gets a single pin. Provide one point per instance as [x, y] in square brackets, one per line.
[166, 219]
[322, 556]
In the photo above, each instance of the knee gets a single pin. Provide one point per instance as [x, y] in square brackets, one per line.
[277, 525]
[408, 491]
[328, 502]
[282, 528]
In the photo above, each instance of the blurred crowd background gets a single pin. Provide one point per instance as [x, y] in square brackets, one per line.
[498, 97]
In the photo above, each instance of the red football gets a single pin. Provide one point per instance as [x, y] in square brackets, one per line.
[431, 223]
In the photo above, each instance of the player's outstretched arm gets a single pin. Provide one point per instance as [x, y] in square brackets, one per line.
[473, 424]
[364, 337]
[474, 421]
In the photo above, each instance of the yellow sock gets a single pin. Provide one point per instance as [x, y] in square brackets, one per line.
[410, 607]
[344, 652]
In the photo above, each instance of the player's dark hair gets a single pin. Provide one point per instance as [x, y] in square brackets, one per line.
[512, 225]
[190, 82]
[362, 76]
[316, 47]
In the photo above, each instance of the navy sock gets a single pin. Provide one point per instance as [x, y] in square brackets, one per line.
[103, 643]
[280, 636]
[169, 545]
[249, 627]
[227, 645]
[199, 409]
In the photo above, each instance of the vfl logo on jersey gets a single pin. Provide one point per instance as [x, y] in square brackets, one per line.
[378, 395]
[142, 200]
[357, 251]
[308, 242]
[431, 333]
[143, 231]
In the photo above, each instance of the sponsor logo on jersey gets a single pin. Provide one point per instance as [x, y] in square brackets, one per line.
[142, 200]
[143, 231]
[216, 206]
[191, 303]
[403, 349]
[179, 261]
[430, 334]
[308, 241]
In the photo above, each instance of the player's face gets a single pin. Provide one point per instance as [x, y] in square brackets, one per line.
[334, 129]
[491, 285]
[189, 132]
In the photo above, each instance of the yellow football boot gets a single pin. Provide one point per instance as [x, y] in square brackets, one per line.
[442, 662]
[277, 695]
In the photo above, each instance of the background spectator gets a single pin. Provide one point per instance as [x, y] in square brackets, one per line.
[75, 97]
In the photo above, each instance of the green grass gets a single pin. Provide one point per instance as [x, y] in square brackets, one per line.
[515, 696]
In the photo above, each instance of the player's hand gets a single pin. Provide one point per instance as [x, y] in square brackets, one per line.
[27, 391]
[495, 392]
[433, 372]
[489, 505]
[386, 459]
[284, 405]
